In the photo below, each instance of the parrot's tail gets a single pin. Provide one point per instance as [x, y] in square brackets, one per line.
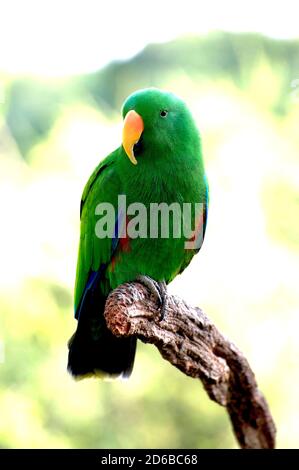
[95, 351]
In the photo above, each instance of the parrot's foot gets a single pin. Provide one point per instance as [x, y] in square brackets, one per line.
[158, 289]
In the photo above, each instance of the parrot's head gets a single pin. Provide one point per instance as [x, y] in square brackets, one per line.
[157, 124]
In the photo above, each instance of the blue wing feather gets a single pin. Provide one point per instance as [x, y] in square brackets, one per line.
[94, 277]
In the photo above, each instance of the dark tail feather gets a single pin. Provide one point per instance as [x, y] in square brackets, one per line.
[94, 350]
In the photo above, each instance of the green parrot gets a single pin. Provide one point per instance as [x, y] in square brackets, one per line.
[159, 162]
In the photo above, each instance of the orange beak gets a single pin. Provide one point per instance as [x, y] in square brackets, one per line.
[132, 130]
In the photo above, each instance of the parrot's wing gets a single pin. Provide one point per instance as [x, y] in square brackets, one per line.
[95, 253]
[93, 349]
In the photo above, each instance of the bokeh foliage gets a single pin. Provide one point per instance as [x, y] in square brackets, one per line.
[52, 134]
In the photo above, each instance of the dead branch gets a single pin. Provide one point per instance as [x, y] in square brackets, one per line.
[189, 340]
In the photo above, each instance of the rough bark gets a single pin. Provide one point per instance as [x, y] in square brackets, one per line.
[189, 340]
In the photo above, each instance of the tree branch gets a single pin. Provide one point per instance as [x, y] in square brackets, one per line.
[189, 340]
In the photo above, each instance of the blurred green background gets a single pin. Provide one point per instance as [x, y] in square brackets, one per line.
[243, 92]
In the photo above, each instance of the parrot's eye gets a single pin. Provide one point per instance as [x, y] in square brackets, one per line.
[163, 113]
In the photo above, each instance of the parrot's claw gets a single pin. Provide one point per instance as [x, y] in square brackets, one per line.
[158, 289]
